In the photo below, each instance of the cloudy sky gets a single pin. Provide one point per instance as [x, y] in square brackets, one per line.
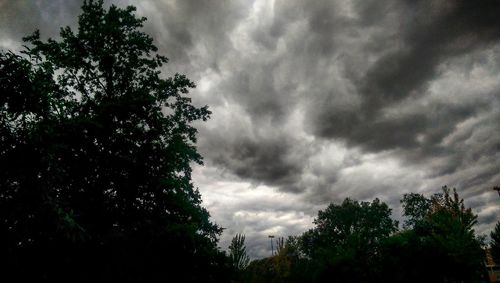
[316, 101]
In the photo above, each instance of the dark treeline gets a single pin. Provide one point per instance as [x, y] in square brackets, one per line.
[96, 147]
[359, 242]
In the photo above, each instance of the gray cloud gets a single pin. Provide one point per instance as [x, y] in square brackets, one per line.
[430, 32]
[263, 160]
[180, 26]
[21, 18]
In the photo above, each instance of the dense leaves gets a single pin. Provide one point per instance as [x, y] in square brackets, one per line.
[95, 156]
[238, 257]
[359, 242]
[442, 240]
[495, 242]
[346, 240]
[288, 265]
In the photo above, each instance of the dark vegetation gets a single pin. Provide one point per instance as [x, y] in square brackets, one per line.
[95, 182]
[495, 242]
[95, 154]
[359, 242]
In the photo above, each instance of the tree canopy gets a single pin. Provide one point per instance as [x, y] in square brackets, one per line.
[238, 257]
[96, 149]
[348, 234]
[495, 242]
[440, 240]
[359, 242]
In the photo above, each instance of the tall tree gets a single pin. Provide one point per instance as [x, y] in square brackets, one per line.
[96, 149]
[495, 243]
[346, 240]
[237, 253]
[441, 240]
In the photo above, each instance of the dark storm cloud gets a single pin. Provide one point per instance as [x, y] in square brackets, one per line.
[409, 42]
[176, 26]
[430, 32]
[180, 26]
[257, 92]
[21, 18]
[362, 74]
[271, 159]
[428, 36]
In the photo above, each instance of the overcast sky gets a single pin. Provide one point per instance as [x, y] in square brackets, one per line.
[316, 101]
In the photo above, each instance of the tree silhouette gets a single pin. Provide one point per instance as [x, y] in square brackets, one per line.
[441, 241]
[415, 208]
[95, 158]
[237, 253]
[495, 243]
[345, 242]
[287, 265]
[359, 242]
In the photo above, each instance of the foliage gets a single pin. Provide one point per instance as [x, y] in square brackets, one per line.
[345, 242]
[359, 242]
[442, 239]
[344, 246]
[238, 254]
[352, 224]
[286, 266]
[415, 208]
[260, 270]
[95, 158]
[495, 242]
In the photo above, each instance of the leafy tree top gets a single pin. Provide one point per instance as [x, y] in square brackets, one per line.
[441, 210]
[442, 228]
[237, 253]
[495, 243]
[96, 146]
[350, 225]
